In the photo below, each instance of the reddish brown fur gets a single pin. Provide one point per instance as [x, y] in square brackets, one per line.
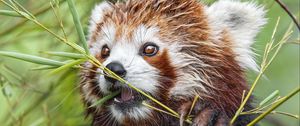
[167, 72]
[187, 22]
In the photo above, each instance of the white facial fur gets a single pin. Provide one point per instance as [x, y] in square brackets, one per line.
[97, 16]
[126, 51]
[136, 113]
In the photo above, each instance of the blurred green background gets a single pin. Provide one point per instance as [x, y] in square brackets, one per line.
[35, 98]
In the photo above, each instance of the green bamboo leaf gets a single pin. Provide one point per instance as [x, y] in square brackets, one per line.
[32, 58]
[65, 54]
[10, 13]
[105, 98]
[267, 99]
[78, 25]
[44, 68]
[66, 66]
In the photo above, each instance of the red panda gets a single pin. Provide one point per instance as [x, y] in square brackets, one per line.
[173, 50]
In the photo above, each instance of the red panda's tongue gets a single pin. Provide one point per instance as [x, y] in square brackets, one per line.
[126, 94]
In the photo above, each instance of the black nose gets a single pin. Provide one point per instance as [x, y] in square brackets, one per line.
[117, 68]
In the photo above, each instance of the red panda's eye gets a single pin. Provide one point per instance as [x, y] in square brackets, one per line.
[105, 51]
[150, 49]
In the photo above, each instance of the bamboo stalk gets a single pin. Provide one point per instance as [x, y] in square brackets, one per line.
[276, 105]
[78, 25]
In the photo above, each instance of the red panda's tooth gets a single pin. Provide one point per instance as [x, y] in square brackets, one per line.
[117, 100]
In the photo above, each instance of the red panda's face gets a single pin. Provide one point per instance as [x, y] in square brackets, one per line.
[144, 58]
[141, 58]
[170, 50]
[144, 49]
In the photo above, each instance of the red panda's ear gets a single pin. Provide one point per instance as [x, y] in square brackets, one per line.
[97, 15]
[242, 20]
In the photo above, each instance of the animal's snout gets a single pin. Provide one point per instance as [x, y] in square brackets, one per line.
[117, 68]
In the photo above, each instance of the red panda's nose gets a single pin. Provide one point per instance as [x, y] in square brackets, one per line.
[117, 68]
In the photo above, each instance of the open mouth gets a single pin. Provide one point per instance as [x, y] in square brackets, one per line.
[127, 98]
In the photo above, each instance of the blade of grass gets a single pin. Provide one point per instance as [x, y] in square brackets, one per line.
[286, 114]
[58, 17]
[65, 54]
[267, 99]
[265, 64]
[193, 104]
[15, 27]
[15, 3]
[78, 25]
[32, 59]
[105, 98]
[67, 66]
[14, 7]
[157, 109]
[71, 44]
[276, 105]
[11, 2]
[273, 112]
[44, 68]
[162, 111]
[9, 13]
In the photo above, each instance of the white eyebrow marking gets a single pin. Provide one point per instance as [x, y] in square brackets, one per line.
[109, 31]
[143, 34]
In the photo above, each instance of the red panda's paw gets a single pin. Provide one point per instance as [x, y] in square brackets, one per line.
[184, 111]
[209, 117]
[201, 115]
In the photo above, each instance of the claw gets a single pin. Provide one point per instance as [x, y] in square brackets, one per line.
[182, 118]
[184, 111]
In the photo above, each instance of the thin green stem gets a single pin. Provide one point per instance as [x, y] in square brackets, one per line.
[246, 98]
[10, 13]
[193, 104]
[78, 25]
[265, 64]
[162, 111]
[105, 98]
[58, 17]
[273, 112]
[11, 29]
[289, 13]
[25, 10]
[276, 105]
